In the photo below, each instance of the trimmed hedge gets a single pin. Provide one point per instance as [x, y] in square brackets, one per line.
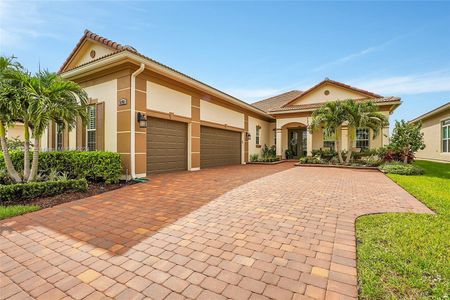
[401, 169]
[92, 165]
[12, 192]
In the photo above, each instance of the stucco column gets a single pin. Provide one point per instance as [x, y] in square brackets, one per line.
[344, 138]
[309, 143]
[278, 145]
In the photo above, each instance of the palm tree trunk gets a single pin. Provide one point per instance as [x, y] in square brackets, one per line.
[35, 163]
[339, 153]
[8, 162]
[349, 153]
[26, 151]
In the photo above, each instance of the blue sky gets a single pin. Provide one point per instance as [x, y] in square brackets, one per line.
[255, 50]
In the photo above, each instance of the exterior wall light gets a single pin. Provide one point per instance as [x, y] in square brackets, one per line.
[142, 119]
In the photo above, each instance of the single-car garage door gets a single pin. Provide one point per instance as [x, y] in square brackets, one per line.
[219, 147]
[166, 146]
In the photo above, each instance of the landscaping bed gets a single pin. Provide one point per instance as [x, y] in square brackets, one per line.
[265, 162]
[406, 256]
[337, 166]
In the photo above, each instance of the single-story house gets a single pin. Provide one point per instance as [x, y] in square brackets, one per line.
[160, 119]
[436, 134]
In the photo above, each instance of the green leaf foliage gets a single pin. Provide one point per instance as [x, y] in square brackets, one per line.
[32, 190]
[92, 165]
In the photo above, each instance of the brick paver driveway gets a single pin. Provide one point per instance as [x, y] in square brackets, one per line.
[236, 232]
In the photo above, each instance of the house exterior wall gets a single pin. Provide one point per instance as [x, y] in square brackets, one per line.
[84, 52]
[164, 99]
[432, 130]
[265, 134]
[335, 93]
[211, 112]
[103, 92]
[16, 131]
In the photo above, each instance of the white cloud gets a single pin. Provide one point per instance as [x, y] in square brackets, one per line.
[438, 81]
[254, 94]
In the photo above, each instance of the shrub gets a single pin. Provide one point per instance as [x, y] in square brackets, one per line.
[324, 154]
[371, 161]
[92, 165]
[20, 191]
[401, 169]
[311, 160]
[254, 157]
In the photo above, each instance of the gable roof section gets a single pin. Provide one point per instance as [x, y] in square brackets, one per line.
[278, 101]
[130, 51]
[336, 83]
[432, 112]
[89, 35]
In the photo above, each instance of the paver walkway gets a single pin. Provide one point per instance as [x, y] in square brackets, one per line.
[236, 232]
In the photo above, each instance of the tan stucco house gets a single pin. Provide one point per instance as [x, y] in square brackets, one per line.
[160, 119]
[436, 134]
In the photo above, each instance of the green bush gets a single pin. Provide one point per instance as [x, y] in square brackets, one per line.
[401, 169]
[92, 165]
[13, 192]
[311, 160]
[254, 157]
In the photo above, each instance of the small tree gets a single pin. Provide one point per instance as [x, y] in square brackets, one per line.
[330, 116]
[407, 138]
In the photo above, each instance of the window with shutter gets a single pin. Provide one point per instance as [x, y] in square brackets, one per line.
[91, 128]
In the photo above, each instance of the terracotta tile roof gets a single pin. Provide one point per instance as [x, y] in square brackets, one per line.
[277, 101]
[327, 80]
[317, 105]
[93, 36]
[121, 48]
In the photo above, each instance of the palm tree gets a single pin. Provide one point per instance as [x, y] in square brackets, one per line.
[53, 99]
[9, 108]
[362, 115]
[330, 116]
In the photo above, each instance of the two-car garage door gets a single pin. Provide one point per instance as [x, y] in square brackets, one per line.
[167, 143]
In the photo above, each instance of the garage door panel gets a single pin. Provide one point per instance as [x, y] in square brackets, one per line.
[219, 147]
[166, 146]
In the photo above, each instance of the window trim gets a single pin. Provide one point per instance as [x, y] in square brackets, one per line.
[88, 130]
[362, 140]
[328, 139]
[59, 144]
[447, 139]
[258, 135]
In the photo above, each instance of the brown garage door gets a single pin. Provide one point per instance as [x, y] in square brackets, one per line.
[219, 147]
[166, 146]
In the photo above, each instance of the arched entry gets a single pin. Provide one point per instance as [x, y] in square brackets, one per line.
[296, 139]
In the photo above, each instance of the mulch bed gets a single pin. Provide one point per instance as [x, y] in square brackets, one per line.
[93, 189]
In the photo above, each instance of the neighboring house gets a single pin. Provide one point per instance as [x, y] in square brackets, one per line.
[159, 119]
[436, 134]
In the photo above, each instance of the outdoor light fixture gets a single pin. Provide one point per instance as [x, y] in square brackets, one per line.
[142, 119]
[248, 136]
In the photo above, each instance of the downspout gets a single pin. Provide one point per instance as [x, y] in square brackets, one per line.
[133, 119]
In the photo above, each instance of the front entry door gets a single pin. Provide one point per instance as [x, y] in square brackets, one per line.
[297, 142]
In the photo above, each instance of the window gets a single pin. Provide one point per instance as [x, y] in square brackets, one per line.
[329, 141]
[446, 136]
[59, 137]
[258, 129]
[362, 138]
[91, 128]
[275, 137]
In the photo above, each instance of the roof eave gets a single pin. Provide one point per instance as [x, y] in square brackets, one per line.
[394, 104]
[431, 113]
[163, 70]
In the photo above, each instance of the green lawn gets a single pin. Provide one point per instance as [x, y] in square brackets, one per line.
[407, 256]
[15, 210]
